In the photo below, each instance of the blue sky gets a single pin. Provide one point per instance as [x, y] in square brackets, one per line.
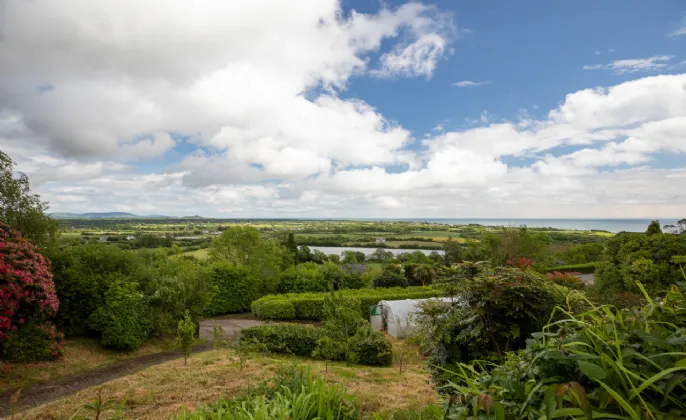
[531, 52]
[349, 108]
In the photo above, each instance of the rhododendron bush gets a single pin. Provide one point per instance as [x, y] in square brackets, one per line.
[27, 292]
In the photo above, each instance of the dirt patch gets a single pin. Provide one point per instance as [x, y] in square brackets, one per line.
[45, 392]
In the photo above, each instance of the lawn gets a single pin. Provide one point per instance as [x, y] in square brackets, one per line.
[79, 355]
[161, 391]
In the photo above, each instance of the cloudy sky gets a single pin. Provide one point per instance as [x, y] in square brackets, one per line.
[353, 108]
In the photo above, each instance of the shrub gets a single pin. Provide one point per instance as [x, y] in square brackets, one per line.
[185, 333]
[568, 279]
[391, 275]
[307, 277]
[32, 343]
[123, 320]
[82, 276]
[310, 306]
[277, 309]
[27, 291]
[234, 289]
[299, 340]
[605, 363]
[370, 348]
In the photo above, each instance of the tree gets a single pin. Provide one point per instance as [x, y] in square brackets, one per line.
[328, 349]
[391, 275]
[27, 291]
[381, 255]
[22, 210]
[453, 252]
[653, 228]
[184, 336]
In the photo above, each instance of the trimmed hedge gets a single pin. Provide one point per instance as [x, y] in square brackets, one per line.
[367, 347]
[587, 268]
[299, 340]
[310, 306]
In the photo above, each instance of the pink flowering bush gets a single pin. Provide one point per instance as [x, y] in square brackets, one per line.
[27, 292]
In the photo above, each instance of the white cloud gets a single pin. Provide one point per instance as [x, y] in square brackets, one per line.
[681, 30]
[657, 62]
[245, 107]
[469, 83]
[122, 71]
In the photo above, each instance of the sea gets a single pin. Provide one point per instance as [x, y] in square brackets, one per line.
[610, 225]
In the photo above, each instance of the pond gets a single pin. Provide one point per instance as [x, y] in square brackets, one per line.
[338, 250]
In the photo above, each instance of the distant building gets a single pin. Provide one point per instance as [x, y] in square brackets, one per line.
[103, 239]
[130, 238]
[380, 240]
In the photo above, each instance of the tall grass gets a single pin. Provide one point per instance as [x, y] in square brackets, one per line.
[603, 363]
[310, 399]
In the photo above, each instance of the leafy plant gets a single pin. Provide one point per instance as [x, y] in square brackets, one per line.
[122, 321]
[604, 363]
[185, 334]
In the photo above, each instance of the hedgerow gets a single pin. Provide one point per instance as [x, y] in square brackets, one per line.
[587, 268]
[310, 306]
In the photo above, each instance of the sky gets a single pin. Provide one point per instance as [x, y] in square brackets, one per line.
[352, 108]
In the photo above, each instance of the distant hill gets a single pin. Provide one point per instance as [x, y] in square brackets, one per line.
[106, 215]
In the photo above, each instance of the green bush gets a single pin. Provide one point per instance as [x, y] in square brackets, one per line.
[32, 343]
[370, 348]
[234, 289]
[310, 306]
[299, 340]
[278, 309]
[301, 278]
[122, 321]
[605, 363]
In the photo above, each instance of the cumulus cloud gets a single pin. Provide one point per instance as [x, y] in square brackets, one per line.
[246, 109]
[657, 62]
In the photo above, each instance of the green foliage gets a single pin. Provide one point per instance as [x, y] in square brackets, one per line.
[493, 314]
[453, 251]
[370, 348]
[22, 210]
[310, 306]
[311, 399]
[392, 275]
[302, 278]
[604, 363]
[631, 257]
[274, 309]
[32, 343]
[82, 274]
[234, 289]
[185, 334]
[298, 340]
[243, 247]
[122, 321]
[329, 349]
[653, 228]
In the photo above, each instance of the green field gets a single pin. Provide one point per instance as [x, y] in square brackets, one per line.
[200, 254]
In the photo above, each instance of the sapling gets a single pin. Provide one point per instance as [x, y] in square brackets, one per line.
[185, 334]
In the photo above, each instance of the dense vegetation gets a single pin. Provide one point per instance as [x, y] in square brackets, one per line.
[523, 336]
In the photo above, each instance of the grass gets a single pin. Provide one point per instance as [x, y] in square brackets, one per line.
[161, 391]
[79, 355]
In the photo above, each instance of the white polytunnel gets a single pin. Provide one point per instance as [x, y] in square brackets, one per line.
[397, 315]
